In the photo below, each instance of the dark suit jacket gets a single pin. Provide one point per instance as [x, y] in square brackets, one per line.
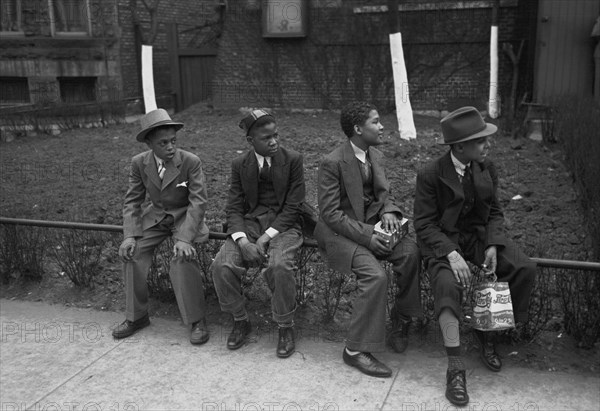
[342, 227]
[181, 194]
[439, 200]
[288, 182]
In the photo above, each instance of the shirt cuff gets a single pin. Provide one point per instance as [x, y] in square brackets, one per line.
[238, 235]
[271, 232]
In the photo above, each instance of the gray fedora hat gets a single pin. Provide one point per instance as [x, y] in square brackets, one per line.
[153, 119]
[465, 124]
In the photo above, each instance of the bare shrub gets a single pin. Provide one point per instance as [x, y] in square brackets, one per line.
[22, 253]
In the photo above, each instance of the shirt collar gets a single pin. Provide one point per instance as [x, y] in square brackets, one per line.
[158, 161]
[359, 153]
[261, 160]
[458, 166]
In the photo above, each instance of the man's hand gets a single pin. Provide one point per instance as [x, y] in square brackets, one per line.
[390, 222]
[460, 269]
[379, 246]
[250, 252]
[263, 243]
[185, 250]
[127, 249]
[491, 258]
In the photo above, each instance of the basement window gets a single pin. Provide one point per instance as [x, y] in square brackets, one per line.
[70, 17]
[77, 89]
[14, 91]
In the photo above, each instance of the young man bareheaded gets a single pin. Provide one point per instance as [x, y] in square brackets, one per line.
[354, 195]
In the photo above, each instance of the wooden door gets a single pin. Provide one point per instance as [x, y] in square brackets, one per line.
[196, 73]
[564, 50]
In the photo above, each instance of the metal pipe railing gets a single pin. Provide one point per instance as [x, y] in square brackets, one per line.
[213, 235]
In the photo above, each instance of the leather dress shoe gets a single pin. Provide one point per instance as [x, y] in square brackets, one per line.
[286, 344]
[366, 363]
[238, 335]
[456, 387]
[199, 333]
[487, 351]
[398, 338]
[128, 328]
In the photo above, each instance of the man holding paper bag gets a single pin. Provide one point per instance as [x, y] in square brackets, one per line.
[458, 220]
[354, 196]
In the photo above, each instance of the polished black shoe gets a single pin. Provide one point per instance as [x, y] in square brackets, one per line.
[199, 333]
[487, 351]
[238, 335]
[398, 338]
[286, 344]
[366, 363]
[456, 387]
[128, 328]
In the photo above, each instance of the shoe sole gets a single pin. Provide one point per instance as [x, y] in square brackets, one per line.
[286, 355]
[200, 342]
[368, 373]
[458, 403]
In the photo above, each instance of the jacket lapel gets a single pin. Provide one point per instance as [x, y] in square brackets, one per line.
[151, 169]
[172, 170]
[353, 181]
[449, 177]
[250, 179]
[280, 176]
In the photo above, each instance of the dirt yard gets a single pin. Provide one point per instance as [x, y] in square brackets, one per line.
[81, 175]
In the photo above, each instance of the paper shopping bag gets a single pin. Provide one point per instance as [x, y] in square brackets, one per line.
[492, 305]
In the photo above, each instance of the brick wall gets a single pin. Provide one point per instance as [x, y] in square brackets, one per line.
[186, 13]
[346, 55]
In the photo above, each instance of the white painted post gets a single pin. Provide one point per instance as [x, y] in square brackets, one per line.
[148, 79]
[493, 106]
[406, 124]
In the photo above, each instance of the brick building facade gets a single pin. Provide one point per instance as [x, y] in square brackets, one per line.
[58, 54]
[345, 54]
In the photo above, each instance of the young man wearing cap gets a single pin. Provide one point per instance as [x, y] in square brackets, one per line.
[174, 182]
[354, 195]
[458, 219]
[263, 219]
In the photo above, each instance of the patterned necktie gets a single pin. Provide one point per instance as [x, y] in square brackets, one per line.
[264, 171]
[161, 170]
[468, 189]
[367, 167]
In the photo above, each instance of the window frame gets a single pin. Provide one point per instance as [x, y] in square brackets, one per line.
[55, 33]
[19, 13]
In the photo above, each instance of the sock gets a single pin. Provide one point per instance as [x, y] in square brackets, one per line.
[350, 352]
[455, 361]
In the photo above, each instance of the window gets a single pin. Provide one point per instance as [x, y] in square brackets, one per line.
[10, 17]
[14, 90]
[77, 89]
[70, 17]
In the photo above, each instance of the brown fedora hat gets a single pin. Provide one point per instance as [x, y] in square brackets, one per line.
[465, 124]
[153, 119]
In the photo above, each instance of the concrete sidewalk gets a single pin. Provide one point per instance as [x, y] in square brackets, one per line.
[58, 358]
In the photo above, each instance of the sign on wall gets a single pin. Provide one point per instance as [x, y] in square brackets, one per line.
[284, 18]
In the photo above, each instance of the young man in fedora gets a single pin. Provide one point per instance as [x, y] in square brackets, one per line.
[354, 195]
[458, 219]
[264, 206]
[174, 182]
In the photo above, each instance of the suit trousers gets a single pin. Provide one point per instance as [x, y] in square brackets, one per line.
[513, 267]
[228, 269]
[186, 277]
[367, 326]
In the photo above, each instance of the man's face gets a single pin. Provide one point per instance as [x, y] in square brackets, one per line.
[265, 139]
[476, 150]
[372, 131]
[162, 143]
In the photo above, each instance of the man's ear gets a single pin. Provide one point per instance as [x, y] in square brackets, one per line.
[357, 129]
[458, 147]
[249, 139]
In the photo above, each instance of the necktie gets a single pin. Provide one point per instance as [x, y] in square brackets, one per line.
[161, 170]
[468, 188]
[264, 171]
[367, 167]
